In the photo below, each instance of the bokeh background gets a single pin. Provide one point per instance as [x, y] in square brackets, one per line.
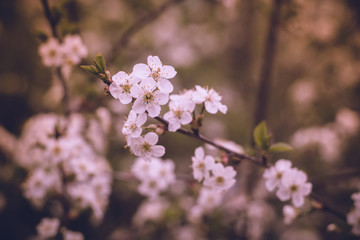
[308, 53]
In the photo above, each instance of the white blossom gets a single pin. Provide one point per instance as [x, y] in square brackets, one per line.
[274, 174]
[71, 235]
[132, 126]
[211, 99]
[290, 213]
[156, 70]
[201, 164]
[51, 53]
[209, 199]
[148, 97]
[178, 115]
[222, 178]
[293, 185]
[74, 49]
[145, 146]
[121, 86]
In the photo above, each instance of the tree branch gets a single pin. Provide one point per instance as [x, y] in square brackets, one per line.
[139, 24]
[267, 64]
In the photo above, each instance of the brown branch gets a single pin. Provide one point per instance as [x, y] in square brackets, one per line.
[139, 24]
[267, 64]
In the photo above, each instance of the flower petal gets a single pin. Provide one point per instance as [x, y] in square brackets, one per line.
[199, 152]
[148, 84]
[151, 138]
[210, 107]
[139, 106]
[153, 110]
[125, 98]
[141, 70]
[165, 85]
[186, 118]
[154, 62]
[158, 151]
[141, 119]
[167, 71]
[115, 90]
[136, 91]
[120, 77]
[162, 98]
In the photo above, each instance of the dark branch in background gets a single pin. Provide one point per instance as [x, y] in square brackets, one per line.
[139, 24]
[52, 22]
[267, 65]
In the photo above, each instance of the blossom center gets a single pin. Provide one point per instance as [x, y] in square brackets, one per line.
[293, 188]
[220, 180]
[146, 147]
[149, 97]
[126, 88]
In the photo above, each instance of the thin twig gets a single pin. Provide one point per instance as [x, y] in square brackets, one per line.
[138, 25]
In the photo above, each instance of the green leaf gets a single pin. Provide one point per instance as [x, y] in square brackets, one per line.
[90, 69]
[280, 147]
[100, 63]
[261, 137]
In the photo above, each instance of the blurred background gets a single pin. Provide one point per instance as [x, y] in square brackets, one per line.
[294, 63]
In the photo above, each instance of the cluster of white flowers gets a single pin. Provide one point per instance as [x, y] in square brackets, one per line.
[353, 217]
[155, 175]
[69, 52]
[291, 183]
[148, 87]
[216, 179]
[61, 162]
[49, 228]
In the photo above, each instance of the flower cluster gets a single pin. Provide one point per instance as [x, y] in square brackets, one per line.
[291, 183]
[155, 175]
[69, 52]
[353, 217]
[215, 177]
[59, 159]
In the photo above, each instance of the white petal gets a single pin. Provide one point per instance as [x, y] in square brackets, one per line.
[165, 85]
[174, 126]
[115, 90]
[297, 200]
[141, 119]
[167, 72]
[141, 70]
[158, 151]
[199, 152]
[136, 91]
[148, 83]
[154, 62]
[271, 184]
[125, 98]
[136, 132]
[210, 107]
[153, 110]
[132, 116]
[283, 194]
[120, 77]
[162, 98]
[139, 106]
[186, 118]
[151, 138]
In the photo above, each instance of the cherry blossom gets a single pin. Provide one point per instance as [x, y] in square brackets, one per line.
[51, 53]
[121, 85]
[148, 97]
[48, 227]
[178, 115]
[274, 174]
[294, 186]
[132, 126]
[145, 146]
[159, 72]
[210, 98]
[201, 164]
[222, 178]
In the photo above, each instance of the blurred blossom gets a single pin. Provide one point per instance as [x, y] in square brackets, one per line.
[48, 227]
[289, 213]
[71, 235]
[347, 121]
[185, 232]
[150, 210]
[325, 138]
[303, 92]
